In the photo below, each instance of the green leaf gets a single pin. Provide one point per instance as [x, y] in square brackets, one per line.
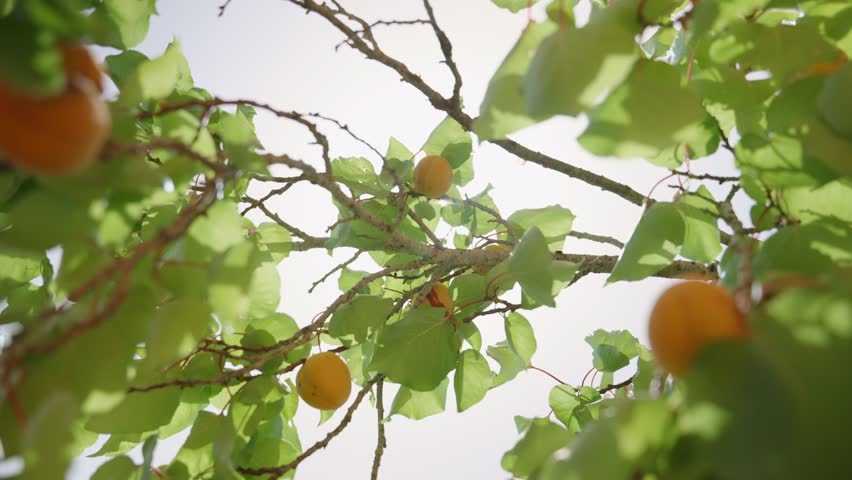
[158, 78]
[612, 350]
[615, 446]
[118, 467]
[418, 405]
[121, 66]
[716, 15]
[400, 159]
[266, 448]
[68, 216]
[541, 440]
[417, 351]
[110, 346]
[554, 221]
[147, 457]
[701, 238]
[530, 264]
[811, 205]
[469, 290]
[819, 248]
[138, 412]
[234, 128]
[470, 333]
[220, 229]
[834, 101]
[503, 110]
[29, 59]
[348, 279]
[510, 364]
[569, 405]
[630, 122]
[780, 162]
[358, 174]
[174, 332]
[17, 268]
[521, 337]
[280, 326]
[127, 22]
[472, 380]
[273, 239]
[514, 6]
[784, 50]
[358, 319]
[573, 68]
[47, 437]
[653, 245]
[244, 284]
[451, 141]
[6, 7]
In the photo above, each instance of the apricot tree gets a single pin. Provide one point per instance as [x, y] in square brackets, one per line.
[162, 314]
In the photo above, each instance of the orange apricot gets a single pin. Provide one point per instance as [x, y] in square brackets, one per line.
[59, 134]
[433, 176]
[439, 297]
[324, 382]
[687, 317]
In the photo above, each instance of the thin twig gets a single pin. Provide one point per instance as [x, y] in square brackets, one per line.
[382, 442]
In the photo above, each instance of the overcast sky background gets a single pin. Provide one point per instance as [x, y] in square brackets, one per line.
[269, 50]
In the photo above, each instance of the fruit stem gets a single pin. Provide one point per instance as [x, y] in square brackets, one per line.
[546, 373]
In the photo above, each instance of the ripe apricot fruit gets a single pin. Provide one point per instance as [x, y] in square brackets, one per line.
[689, 316]
[439, 297]
[58, 134]
[433, 176]
[323, 381]
[484, 269]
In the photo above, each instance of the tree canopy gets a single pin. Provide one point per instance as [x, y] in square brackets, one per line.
[139, 301]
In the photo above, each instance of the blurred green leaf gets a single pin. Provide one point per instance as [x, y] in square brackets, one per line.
[503, 110]
[541, 440]
[573, 67]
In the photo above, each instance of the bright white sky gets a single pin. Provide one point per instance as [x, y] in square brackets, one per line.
[268, 50]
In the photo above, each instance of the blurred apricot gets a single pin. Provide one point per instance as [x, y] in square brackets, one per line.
[324, 381]
[433, 176]
[59, 134]
[687, 317]
[439, 297]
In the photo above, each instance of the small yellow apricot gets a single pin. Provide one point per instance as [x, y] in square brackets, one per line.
[439, 297]
[433, 176]
[484, 269]
[324, 382]
[689, 316]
